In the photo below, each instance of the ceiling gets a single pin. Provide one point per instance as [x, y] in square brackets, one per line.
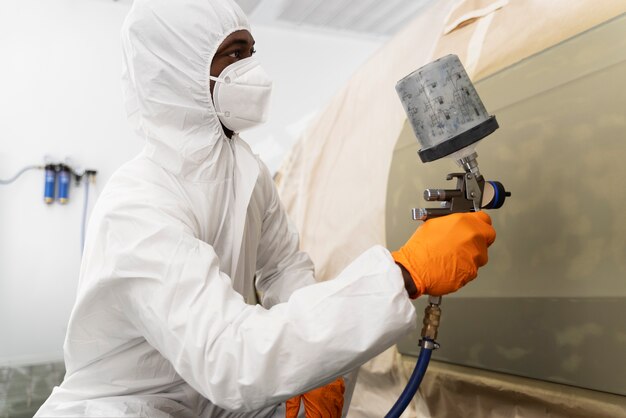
[362, 18]
[374, 18]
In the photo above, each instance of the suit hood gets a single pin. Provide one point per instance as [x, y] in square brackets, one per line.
[168, 47]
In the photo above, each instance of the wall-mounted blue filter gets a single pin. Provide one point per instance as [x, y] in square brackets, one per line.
[65, 177]
[50, 183]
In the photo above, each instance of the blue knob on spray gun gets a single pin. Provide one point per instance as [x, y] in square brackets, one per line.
[50, 183]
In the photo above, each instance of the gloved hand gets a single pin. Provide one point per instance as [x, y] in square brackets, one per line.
[445, 253]
[324, 402]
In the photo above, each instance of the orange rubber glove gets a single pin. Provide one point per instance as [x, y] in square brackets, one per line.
[445, 253]
[324, 402]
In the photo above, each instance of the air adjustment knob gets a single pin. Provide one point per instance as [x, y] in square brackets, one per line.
[494, 194]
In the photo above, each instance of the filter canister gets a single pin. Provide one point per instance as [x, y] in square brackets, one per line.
[443, 108]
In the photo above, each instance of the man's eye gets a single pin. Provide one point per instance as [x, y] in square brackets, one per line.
[235, 54]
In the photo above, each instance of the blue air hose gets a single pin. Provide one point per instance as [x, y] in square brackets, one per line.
[414, 382]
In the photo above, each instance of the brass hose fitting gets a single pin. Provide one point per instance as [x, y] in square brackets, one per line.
[432, 318]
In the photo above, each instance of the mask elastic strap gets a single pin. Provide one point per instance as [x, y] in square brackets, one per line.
[225, 80]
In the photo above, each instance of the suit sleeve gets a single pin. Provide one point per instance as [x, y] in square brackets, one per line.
[244, 357]
[281, 267]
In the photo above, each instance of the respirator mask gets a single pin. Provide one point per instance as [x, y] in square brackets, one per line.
[241, 95]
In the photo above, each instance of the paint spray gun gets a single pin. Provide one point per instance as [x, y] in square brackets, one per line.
[448, 119]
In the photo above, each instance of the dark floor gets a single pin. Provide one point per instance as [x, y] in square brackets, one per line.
[24, 388]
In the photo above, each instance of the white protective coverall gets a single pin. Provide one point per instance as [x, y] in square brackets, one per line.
[193, 297]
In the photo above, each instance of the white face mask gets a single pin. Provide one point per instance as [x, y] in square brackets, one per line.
[241, 95]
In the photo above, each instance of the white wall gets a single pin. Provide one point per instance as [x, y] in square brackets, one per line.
[60, 95]
[59, 83]
[307, 68]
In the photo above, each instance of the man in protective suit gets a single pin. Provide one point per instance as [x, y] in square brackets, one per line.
[194, 299]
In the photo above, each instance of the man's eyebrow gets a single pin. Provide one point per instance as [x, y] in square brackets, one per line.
[235, 42]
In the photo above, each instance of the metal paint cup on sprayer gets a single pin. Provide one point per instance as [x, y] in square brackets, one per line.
[444, 110]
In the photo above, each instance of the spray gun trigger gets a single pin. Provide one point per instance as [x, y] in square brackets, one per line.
[474, 190]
